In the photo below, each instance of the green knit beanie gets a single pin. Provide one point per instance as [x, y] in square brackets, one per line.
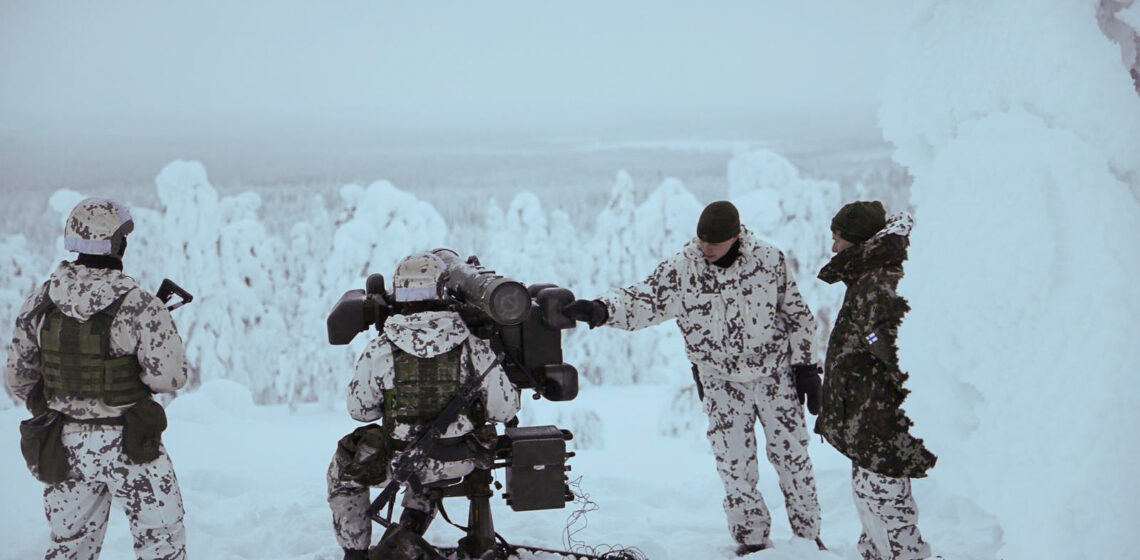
[719, 222]
[859, 221]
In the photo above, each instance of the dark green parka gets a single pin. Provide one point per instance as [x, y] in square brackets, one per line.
[863, 392]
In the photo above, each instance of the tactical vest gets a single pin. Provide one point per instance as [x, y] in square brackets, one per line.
[423, 386]
[76, 358]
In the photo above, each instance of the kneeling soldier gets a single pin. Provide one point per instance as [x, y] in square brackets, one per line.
[89, 349]
[406, 376]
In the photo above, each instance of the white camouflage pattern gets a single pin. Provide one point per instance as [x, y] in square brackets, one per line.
[741, 322]
[78, 508]
[889, 516]
[733, 410]
[96, 225]
[142, 327]
[426, 335]
[744, 326]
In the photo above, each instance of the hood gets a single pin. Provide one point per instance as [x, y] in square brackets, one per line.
[692, 249]
[80, 291]
[886, 248]
[427, 334]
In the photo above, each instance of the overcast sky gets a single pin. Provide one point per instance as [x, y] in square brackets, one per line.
[544, 65]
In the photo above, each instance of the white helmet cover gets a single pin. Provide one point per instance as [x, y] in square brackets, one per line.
[97, 226]
[417, 278]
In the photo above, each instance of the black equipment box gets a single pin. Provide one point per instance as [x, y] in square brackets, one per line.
[536, 472]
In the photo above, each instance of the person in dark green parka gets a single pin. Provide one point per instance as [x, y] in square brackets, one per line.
[863, 391]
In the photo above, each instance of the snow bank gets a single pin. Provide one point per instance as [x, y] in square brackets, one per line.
[1020, 127]
[253, 484]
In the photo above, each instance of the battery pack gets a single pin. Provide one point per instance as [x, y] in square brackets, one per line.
[536, 472]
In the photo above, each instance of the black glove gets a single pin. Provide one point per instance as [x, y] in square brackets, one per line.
[809, 385]
[593, 312]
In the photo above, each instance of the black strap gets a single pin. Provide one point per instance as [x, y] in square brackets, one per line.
[113, 309]
[47, 303]
[697, 379]
[112, 421]
[447, 450]
[443, 512]
[42, 307]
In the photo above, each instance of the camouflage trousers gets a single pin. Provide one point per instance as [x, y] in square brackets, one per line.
[78, 508]
[733, 410]
[349, 500]
[889, 516]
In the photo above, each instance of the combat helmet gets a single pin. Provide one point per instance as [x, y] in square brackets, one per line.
[97, 226]
[417, 278]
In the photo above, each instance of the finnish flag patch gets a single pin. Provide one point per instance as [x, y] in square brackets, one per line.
[872, 338]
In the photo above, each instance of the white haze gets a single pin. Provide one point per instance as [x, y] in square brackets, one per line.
[96, 86]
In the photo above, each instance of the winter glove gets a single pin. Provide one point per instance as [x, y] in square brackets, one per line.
[592, 312]
[809, 385]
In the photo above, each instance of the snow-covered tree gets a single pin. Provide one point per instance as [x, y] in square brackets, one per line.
[1020, 125]
[794, 213]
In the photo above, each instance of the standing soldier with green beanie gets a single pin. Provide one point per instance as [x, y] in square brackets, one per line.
[748, 334]
[405, 377]
[89, 349]
[863, 388]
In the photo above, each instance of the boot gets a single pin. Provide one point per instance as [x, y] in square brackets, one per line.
[355, 554]
[404, 541]
[746, 549]
[413, 519]
[819, 543]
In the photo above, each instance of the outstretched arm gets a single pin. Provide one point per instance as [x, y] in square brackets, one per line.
[648, 303]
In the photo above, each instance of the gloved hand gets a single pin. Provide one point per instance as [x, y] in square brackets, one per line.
[809, 385]
[593, 312]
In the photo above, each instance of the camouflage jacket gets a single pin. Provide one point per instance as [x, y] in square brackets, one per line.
[143, 327]
[426, 335]
[740, 323]
[863, 392]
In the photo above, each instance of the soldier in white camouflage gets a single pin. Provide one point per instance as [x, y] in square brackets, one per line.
[405, 377]
[89, 348]
[748, 334]
[862, 414]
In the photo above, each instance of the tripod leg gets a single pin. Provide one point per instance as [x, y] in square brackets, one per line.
[480, 537]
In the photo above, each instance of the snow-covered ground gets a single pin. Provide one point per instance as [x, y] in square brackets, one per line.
[252, 479]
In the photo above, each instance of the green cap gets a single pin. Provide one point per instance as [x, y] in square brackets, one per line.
[719, 222]
[859, 221]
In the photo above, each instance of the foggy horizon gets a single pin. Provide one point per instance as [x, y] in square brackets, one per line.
[280, 78]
